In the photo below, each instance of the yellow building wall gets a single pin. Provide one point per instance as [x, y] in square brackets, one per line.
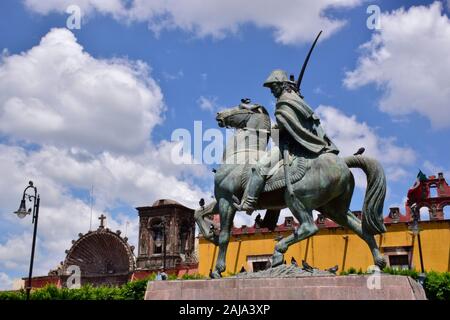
[336, 246]
[435, 240]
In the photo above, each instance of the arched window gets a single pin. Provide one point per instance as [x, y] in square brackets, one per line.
[184, 236]
[433, 191]
[424, 214]
[446, 210]
[158, 236]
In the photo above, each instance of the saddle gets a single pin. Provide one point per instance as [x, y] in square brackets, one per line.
[277, 180]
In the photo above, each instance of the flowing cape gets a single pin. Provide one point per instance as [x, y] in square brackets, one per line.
[298, 119]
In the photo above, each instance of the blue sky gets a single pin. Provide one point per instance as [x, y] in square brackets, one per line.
[389, 96]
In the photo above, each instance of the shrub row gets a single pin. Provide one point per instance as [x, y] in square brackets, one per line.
[133, 290]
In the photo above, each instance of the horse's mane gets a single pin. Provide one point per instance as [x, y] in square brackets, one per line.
[266, 123]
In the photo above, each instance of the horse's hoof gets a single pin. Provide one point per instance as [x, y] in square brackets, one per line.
[380, 262]
[277, 259]
[216, 275]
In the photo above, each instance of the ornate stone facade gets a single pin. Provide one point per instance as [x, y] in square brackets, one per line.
[103, 257]
[431, 192]
[170, 222]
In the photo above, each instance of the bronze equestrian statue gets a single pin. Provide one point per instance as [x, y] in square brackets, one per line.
[303, 173]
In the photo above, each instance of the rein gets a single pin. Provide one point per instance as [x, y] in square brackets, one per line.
[243, 150]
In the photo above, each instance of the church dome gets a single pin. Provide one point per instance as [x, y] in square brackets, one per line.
[164, 202]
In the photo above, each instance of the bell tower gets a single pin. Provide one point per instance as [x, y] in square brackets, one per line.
[431, 192]
[166, 235]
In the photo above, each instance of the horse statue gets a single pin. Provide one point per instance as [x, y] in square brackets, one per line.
[326, 185]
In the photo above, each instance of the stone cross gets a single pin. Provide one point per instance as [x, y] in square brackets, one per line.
[101, 218]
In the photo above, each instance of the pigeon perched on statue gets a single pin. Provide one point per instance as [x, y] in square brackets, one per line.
[359, 152]
[307, 267]
[294, 262]
[333, 269]
[258, 220]
[202, 203]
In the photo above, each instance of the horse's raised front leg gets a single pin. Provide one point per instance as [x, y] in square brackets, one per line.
[227, 212]
[306, 229]
[205, 225]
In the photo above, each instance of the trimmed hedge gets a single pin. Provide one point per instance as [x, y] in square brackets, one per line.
[133, 290]
[437, 285]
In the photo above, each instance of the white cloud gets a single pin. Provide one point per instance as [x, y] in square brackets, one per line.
[95, 126]
[432, 169]
[172, 76]
[116, 180]
[207, 104]
[349, 135]
[409, 60]
[5, 281]
[16, 251]
[241, 218]
[400, 205]
[290, 21]
[56, 93]
[57, 227]
[114, 7]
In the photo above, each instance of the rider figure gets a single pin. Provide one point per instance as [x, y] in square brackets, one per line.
[296, 123]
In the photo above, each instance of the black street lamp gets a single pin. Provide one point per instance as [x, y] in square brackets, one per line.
[22, 212]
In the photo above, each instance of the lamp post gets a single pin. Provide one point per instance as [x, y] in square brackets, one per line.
[22, 212]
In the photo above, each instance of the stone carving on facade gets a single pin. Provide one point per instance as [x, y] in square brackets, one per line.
[103, 257]
[177, 222]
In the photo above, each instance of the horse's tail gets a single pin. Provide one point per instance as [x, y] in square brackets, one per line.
[372, 217]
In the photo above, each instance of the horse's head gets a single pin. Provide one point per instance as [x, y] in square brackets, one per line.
[244, 116]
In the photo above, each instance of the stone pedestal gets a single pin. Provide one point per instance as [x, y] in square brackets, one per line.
[353, 287]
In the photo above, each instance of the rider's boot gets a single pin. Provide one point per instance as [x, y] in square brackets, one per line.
[254, 188]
